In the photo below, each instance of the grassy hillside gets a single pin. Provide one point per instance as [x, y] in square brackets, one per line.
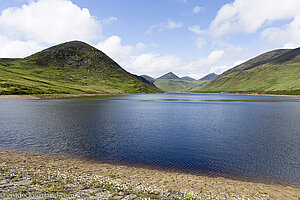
[210, 76]
[275, 72]
[73, 67]
[178, 85]
[148, 78]
[187, 78]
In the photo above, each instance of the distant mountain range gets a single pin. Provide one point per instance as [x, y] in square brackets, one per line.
[210, 76]
[72, 67]
[169, 75]
[148, 78]
[274, 72]
[76, 67]
[187, 78]
[170, 82]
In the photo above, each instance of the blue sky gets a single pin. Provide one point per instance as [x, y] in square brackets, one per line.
[187, 37]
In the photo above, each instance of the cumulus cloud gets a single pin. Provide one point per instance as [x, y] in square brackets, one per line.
[17, 48]
[45, 22]
[196, 9]
[288, 35]
[248, 16]
[163, 26]
[196, 29]
[155, 64]
[112, 47]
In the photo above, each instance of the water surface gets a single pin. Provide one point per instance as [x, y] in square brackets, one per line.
[252, 137]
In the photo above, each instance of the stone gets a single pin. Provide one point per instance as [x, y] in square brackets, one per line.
[117, 197]
[131, 196]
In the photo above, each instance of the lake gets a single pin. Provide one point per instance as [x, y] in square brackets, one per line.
[240, 136]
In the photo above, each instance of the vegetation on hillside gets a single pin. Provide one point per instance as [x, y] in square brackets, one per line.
[72, 67]
[210, 76]
[178, 85]
[275, 72]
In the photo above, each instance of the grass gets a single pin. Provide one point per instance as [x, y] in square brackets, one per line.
[177, 85]
[59, 70]
[264, 79]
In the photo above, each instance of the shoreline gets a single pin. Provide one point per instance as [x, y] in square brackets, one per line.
[255, 94]
[63, 96]
[50, 96]
[164, 184]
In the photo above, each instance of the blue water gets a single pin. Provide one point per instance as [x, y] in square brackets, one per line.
[242, 136]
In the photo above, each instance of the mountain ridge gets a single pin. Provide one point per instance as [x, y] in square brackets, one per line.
[169, 75]
[187, 78]
[210, 76]
[273, 72]
[71, 67]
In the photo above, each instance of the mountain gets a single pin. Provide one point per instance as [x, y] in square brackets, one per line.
[172, 83]
[177, 85]
[210, 76]
[187, 78]
[274, 72]
[149, 78]
[169, 75]
[144, 80]
[72, 67]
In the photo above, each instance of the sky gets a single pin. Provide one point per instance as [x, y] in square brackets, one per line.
[187, 37]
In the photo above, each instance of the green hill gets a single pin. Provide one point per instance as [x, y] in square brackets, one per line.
[170, 82]
[178, 85]
[169, 75]
[187, 78]
[274, 72]
[72, 67]
[148, 78]
[210, 76]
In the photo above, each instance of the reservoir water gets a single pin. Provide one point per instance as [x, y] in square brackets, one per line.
[243, 136]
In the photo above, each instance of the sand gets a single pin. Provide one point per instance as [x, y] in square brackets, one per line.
[204, 187]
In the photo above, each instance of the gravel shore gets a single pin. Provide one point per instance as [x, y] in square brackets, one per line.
[49, 96]
[28, 176]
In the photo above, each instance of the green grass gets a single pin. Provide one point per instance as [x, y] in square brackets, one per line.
[264, 79]
[65, 70]
[177, 85]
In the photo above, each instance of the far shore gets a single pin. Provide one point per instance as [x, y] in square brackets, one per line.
[63, 96]
[253, 94]
[52, 96]
[93, 178]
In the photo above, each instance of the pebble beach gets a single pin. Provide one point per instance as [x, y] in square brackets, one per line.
[30, 176]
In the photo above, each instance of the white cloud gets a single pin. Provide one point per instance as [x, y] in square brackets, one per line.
[200, 42]
[249, 15]
[288, 35]
[155, 64]
[222, 68]
[171, 24]
[17, 48]
[196, 9]
[196, 29]
[43, 23]
[140, 46]
[163, 26]
[108, 20]
[112, 47]
[215, 55]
